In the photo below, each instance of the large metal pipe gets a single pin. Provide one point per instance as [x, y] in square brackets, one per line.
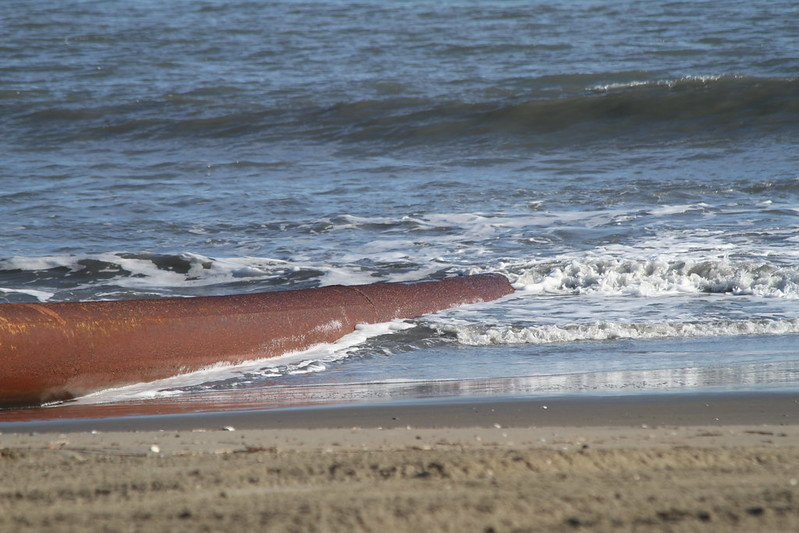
[58, 351]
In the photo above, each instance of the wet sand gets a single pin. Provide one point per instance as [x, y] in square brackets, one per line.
[658, 463]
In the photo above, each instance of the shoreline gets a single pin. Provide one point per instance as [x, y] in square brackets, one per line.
[676, 409]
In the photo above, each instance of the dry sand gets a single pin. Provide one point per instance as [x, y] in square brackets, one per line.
[718, 475]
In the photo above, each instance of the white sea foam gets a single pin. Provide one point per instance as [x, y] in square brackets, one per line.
[42, 296]
[549, 334]
[668, 210]
[659, 276]
[699, 260]
[142, 272]
[670, 83]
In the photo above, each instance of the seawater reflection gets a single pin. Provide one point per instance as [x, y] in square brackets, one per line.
[774, 377]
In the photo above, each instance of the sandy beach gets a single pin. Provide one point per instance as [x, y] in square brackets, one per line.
[661, 463]
[370, 266]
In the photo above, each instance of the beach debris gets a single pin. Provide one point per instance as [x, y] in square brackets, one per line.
[155, 448]
[57, 444]
[228, 428]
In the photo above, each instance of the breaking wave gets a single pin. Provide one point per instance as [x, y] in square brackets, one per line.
[659, 277]
[548, 334]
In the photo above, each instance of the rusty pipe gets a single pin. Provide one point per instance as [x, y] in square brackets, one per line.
[58, 351]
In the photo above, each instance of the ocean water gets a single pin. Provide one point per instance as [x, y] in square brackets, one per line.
[631, 166]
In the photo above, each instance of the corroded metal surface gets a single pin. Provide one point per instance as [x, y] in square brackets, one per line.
[55, 351]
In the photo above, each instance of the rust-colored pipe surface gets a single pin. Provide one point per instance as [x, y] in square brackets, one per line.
[57, 351]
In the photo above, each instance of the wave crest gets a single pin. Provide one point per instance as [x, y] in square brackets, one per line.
[538, 114]
[659, 277]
